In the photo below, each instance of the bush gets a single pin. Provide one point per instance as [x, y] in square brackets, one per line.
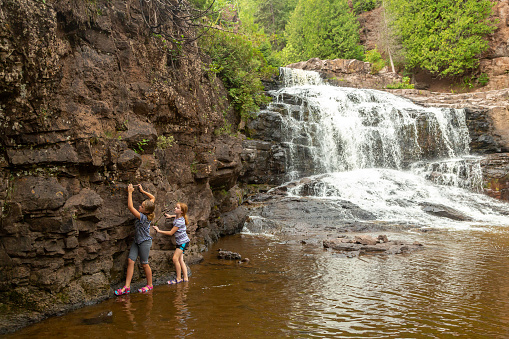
[442, 36]
[483, 79]
[360, 6]
[374, 57]
[404, 84]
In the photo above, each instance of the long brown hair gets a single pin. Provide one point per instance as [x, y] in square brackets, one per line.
[149, 207]
[183, 208]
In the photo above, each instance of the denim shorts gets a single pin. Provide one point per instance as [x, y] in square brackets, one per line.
[142, 249]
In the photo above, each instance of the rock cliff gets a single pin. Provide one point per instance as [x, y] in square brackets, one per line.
[91, 101]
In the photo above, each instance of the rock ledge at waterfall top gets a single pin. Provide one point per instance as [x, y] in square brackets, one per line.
[349, 73]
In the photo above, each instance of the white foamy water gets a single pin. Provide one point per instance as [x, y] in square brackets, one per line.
[399, 196]
[297, 77]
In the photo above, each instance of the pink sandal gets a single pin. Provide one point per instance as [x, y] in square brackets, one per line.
[123, 290]
[145, 289]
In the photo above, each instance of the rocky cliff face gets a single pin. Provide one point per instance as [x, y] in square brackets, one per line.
[91, 101]
[495, 61]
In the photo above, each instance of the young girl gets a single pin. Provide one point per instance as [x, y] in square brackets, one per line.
[179, 229]
[142, 239]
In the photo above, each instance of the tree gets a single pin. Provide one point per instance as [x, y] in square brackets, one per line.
[273, 15]
[445, 37]
[325, 29]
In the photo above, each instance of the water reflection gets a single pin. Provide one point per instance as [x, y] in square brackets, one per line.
[182, 314]
[137, 313]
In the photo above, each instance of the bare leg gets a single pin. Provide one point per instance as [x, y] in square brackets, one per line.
[148, 274]
[130, 271]
[176, 262]
[183, 266]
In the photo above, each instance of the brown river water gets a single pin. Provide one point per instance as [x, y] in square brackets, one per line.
[456, 287]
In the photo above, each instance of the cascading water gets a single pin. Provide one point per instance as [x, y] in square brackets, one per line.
[380, 152]
[344, 129]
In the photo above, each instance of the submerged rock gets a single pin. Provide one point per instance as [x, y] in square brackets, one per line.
[366, 244]
[223, 254]
[105, 317]
[444, 211]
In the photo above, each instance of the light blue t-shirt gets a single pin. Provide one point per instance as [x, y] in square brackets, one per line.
[181, 235]
[142, 227]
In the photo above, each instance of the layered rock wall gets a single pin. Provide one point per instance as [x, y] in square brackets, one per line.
[91, 101]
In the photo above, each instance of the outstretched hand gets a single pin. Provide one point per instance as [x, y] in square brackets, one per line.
[141, 188]
[130, 188]
[156, 228]
[169, 216]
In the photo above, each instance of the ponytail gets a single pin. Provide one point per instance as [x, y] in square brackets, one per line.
[149, 208]
[183, 208]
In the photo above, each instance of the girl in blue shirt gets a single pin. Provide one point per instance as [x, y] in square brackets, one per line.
[142, 239]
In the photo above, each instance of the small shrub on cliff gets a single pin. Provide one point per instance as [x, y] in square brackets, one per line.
[404, 84]
[163, 142]
[483, 79]
[377, 63]
[139, 146]
[241, 67]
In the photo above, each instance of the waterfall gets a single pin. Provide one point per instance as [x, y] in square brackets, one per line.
[297, 77]
[379, 152]
[334, 129]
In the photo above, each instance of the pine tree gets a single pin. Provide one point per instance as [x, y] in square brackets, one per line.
[325, 29]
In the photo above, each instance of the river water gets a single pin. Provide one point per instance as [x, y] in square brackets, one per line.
[457, 286]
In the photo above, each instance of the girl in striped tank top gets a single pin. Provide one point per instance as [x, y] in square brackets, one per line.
[179, 229]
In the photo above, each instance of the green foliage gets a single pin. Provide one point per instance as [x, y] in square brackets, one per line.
[444, 37]
[325, 29]
[273, 15]
[470, 81]
[265, 20]
[241, 66]
[374, 57]
[163, 142]
[225, 129]
[194, 167]
[140, 144]
[360, 6]
[467, 82]
[483, 79]
[200, 4]
[404, 84]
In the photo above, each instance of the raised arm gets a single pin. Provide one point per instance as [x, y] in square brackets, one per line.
[150, 196]
[134, 211]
